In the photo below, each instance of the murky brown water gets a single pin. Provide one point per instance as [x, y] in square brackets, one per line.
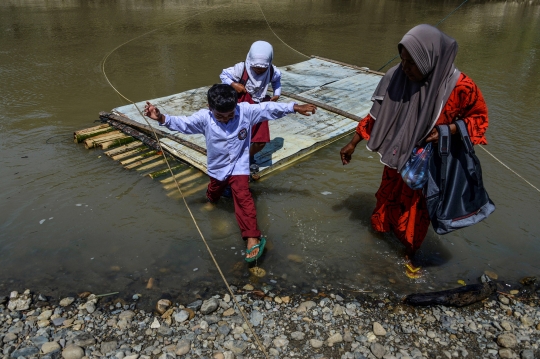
[71, 220]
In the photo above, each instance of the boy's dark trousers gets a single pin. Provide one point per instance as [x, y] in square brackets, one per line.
[244, 206]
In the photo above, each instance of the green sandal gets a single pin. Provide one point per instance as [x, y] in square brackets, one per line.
[259, 245]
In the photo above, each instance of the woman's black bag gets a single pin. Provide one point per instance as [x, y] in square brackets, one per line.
[455, 194]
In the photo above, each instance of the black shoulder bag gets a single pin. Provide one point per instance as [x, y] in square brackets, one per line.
[455, 194]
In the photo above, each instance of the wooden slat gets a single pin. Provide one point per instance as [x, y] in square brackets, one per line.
[151, 165]
[141, 162]
[123, 149]
[139, 157]
[91, 129]
[117, 142]
[129, 153]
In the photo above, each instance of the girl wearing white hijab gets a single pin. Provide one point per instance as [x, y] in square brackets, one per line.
[251, 79]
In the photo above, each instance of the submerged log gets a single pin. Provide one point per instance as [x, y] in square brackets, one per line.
[144, 138]
[458, 297]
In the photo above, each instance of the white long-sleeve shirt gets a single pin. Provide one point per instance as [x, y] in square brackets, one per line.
[227, 145]
[234, 74]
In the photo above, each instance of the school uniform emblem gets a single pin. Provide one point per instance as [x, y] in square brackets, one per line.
[242, 134]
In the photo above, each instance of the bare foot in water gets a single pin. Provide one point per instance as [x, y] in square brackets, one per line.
[251, 241]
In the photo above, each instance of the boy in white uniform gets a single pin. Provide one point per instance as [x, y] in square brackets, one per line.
[226, 126]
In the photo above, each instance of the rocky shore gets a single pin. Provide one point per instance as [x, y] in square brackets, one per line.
[318, 325]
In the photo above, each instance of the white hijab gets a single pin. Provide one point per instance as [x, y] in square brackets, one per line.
[260, 54]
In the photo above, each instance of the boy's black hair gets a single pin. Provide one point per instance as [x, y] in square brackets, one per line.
[222, 97]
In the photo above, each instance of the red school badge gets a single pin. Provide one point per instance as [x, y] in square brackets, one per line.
[242, 134]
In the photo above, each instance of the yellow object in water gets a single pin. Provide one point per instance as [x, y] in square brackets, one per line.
[462, 282]
[257, 271]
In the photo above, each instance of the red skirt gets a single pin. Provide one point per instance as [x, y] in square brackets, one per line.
[261, 131]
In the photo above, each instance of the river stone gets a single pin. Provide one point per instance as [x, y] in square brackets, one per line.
[181, 316]
[165, 330]
[107, 347]
[378, 329]
[256, 318]
[90, 307]
[527, 354]
[209, 306]
[506, 325]
[134, 356]
[218, 355]
[25, 352]
[506, 354]
[45, 315]
[336, 338]
[224, 330]
[22, 303]
[84, 340]
[9, 337]
[280, 342]
[73, 352]
[183, 347]
[305, 306]
[236, 346]
[507, 340]
[39, 340]
[377, 350]
[67, 301]
[155, 324]
[58, 321]
[195, 305]
[126, 314]
[50, 347]
[538, 326]
[228, 312]
[316, 343]
[162, 305]
[526, 321]
[298, 335]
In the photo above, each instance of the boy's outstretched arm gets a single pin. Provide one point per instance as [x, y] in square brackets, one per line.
[305, 110]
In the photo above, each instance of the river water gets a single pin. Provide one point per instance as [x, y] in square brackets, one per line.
[73, 220]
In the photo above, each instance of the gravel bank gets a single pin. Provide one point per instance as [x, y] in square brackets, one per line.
[314, 326]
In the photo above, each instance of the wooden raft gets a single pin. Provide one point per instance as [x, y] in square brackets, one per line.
[135, 150]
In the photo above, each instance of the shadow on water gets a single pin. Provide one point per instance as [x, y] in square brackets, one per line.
[433, 253]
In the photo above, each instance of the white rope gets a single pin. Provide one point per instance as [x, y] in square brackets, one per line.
[240, 309]
[517, 174]
[270, 27]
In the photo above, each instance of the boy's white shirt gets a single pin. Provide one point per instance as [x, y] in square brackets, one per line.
[234, 74]
[227, 145]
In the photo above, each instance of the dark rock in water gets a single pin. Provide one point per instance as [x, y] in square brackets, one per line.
[458, 297]
[3, 300]
[528, 280]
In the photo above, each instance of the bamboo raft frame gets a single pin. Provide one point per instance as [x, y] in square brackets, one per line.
[133, 146]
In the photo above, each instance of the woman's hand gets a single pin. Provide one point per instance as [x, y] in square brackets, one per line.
[238, 87]
[434, 134]
[274, 98]
[306, 109]
[153, 112]
[346, 153]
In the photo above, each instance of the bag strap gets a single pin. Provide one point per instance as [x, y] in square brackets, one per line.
[444, 151]
[245, 76]
[469, 147]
